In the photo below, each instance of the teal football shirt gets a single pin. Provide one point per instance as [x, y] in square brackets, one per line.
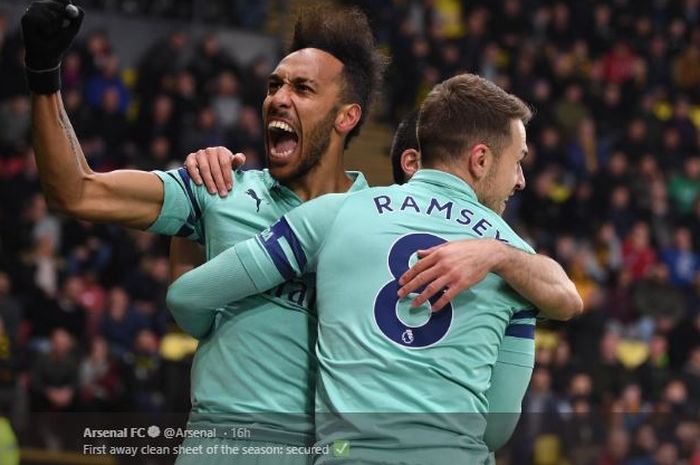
[396, 385]
[510, 378]
[255, 363]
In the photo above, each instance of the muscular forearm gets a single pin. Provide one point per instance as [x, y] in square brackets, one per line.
[541, 280]
[60, 160]
[130, 198]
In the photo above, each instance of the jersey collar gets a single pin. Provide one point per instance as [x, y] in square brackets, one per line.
[358, 181]
[450, 184]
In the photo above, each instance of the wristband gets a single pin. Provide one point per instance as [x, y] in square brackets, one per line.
[44, 81]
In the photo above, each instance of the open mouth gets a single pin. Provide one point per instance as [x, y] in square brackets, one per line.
[283, 139]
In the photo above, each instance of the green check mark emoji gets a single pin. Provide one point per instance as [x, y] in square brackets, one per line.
[341, 449]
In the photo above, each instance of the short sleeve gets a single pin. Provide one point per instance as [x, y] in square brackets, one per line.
[183, 204]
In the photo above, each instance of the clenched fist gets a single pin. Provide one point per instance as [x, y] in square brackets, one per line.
[48, 27]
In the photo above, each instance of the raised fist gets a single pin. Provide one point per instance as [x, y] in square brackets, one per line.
[48, 27]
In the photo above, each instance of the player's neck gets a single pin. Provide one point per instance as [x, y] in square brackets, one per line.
[327, 177]
[457, 171]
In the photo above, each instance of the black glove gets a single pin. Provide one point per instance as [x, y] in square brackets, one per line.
[49, 27]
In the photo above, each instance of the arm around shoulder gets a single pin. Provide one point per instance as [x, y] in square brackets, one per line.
[541, 280]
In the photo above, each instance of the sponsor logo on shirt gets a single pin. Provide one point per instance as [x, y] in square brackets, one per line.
[254, 196]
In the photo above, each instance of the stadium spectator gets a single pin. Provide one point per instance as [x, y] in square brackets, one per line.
[14, 119]
[144, 367]
[683, 264]
[643, 447]
[72, 72]
[55, 375]
[121, 322]
[616, 449]
[63, 311]
[162, 122]
[206, 132]
[225, 100]
[686, 68]
[655, 372]
[107, 79]
[210, 61]
[684, 188]
[101, 385]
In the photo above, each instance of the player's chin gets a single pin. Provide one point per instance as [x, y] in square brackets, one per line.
[281, 170]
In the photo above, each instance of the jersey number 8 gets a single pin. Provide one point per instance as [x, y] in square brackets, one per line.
[385, 305]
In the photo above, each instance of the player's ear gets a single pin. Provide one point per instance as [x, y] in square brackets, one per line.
[479, 161]
[410, 162]
[347, 118]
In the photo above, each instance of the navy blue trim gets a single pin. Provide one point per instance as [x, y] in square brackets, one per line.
[185, 176]
[524, 314]
[282, 229]
[184, 231]
[521, 331]
[274, 250]
[194, 223]
[172, 176]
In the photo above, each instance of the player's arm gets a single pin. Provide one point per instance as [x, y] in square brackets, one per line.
[509, 383]
[196, 295]
[126, 197]
[541, 280]
[458, 265]
[510, 378]
[184, 256]
[287, 249]
[129, 198]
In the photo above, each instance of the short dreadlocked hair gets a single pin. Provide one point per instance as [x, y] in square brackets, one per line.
[344, 33]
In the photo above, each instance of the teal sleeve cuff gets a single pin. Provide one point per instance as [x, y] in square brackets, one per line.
[166, 223]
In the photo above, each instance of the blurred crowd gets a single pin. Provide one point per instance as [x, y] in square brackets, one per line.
[613, 176]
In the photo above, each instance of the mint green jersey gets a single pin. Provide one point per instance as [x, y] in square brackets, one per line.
[510, 378]
[255, 362]
[396, 385]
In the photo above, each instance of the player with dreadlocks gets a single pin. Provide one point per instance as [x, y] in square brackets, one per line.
[318, 97]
